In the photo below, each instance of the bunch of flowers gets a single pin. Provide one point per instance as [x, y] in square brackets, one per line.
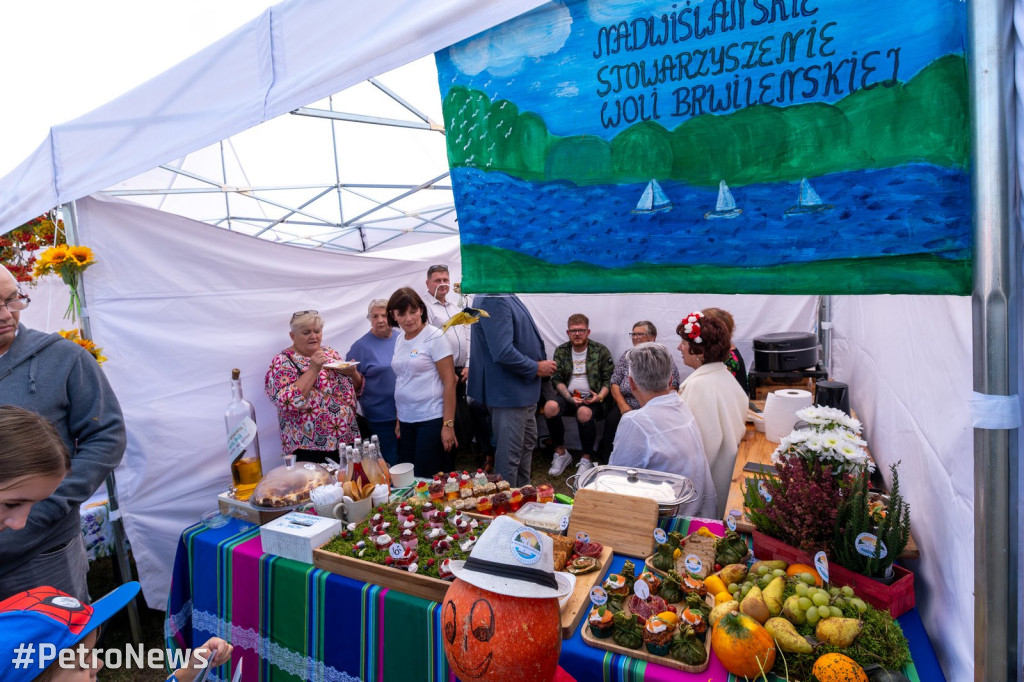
[691, 326]
[832, 437]
[69, 262]
[800, 506]
[19, 246]
[93, 349]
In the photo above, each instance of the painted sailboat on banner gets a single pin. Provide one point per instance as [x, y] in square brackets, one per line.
[808, 201]
[725, 207]
[653, 200]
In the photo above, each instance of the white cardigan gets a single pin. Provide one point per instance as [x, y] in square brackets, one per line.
[720, 408]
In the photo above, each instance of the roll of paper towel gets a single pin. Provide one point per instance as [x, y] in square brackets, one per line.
[780, 411]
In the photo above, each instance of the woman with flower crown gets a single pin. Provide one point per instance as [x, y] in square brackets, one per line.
[711, 392]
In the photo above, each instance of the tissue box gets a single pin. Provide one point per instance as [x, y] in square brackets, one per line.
[296, 535]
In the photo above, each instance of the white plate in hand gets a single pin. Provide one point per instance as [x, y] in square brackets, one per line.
[340, 364]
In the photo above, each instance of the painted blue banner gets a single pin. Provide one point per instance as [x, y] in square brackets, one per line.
[740, 146]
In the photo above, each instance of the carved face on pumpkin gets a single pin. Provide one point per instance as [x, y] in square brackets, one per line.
[490, 636]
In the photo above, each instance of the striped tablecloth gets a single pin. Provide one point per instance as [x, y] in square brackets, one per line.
[290, 621]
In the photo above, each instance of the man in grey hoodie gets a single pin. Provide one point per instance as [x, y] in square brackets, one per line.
[61, 381]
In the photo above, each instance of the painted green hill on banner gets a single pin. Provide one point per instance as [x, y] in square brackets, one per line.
[922, 120]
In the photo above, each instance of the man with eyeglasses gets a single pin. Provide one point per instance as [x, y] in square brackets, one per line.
[582, 379]
[440, 309]
[61, 381]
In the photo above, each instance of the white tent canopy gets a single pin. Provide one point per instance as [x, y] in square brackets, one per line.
[296, 53]
[211, 300]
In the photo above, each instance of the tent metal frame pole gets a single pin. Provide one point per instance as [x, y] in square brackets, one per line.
[996, 343]
[122, 568]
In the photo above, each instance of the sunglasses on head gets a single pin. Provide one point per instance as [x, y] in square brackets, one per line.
[300, 313]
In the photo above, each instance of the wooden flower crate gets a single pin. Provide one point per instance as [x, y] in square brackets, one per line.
[897, 597]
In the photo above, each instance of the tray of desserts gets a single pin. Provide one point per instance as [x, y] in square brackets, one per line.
[665, 623]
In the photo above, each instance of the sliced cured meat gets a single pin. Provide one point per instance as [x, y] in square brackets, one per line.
[646, 608]
[592, 549]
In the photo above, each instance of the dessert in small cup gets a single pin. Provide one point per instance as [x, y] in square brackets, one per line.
[600, 621]
[658, 635]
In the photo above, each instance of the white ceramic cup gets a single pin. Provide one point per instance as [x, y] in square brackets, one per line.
[353, 512]
[401, 475]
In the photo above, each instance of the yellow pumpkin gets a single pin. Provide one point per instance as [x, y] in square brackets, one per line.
[838, 668]
[743, 646]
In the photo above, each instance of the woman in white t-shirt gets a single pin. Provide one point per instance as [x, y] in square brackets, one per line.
[424, 386]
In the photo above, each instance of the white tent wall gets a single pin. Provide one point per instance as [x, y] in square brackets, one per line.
[907, 361]
[177, 303]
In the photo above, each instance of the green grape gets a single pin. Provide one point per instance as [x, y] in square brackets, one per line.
[762, 570]
[806, 578]
[847, 591]
[746, 588]
[801, 589]
[812, 616]
[835, 611]
[734, 588]
[763, 582]
[839, 601]
[804, 603]
[833, 591]
[824, 611]
[819, 598]
[859, 605]
[778, 573]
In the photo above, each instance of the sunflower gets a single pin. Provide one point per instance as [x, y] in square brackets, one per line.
[56, 255]
[81, 255]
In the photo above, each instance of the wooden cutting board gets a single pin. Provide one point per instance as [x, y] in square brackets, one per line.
[626, 523]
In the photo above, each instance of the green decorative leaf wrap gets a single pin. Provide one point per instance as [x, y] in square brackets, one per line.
[731, 549]
[686, 648]
[626, 630]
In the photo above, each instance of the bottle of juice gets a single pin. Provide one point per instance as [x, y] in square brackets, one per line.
[243, 441]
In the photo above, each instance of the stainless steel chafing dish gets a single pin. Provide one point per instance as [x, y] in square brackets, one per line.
[670, 491]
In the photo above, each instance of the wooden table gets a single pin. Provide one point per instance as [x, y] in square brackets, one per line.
[757, 449]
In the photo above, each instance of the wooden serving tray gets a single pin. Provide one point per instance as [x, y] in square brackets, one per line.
[643, 654]
[625, 522]
[415, 584]
[579, 602]
[434, 589]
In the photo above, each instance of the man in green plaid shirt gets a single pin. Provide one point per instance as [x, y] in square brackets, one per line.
[582, 380]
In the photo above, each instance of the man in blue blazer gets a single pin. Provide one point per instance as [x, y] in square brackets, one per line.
[508, 364]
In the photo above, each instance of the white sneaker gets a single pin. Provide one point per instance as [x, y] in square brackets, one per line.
[560, 463]
[584, 465]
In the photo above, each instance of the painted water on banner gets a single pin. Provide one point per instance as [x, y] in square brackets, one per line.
[893, 211]
[737, 145]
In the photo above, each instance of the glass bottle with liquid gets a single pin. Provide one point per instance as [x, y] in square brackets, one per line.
[358, 475]
[243, 441]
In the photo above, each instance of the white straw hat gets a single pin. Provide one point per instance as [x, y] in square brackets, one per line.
[512, 559]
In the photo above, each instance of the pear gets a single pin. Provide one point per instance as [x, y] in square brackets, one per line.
[773, 595]
[786, 636]
[720, 610]
[839, 632]
[772, 564]
[753, 605]
[733, 573]
[792, 611]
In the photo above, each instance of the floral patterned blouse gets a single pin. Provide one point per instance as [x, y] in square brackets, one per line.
[321, 420]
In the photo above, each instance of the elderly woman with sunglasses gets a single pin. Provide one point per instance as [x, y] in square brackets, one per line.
[316, 403]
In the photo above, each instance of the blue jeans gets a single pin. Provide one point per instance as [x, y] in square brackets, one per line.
[385, 432]
[420, 443]
[515, 431]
